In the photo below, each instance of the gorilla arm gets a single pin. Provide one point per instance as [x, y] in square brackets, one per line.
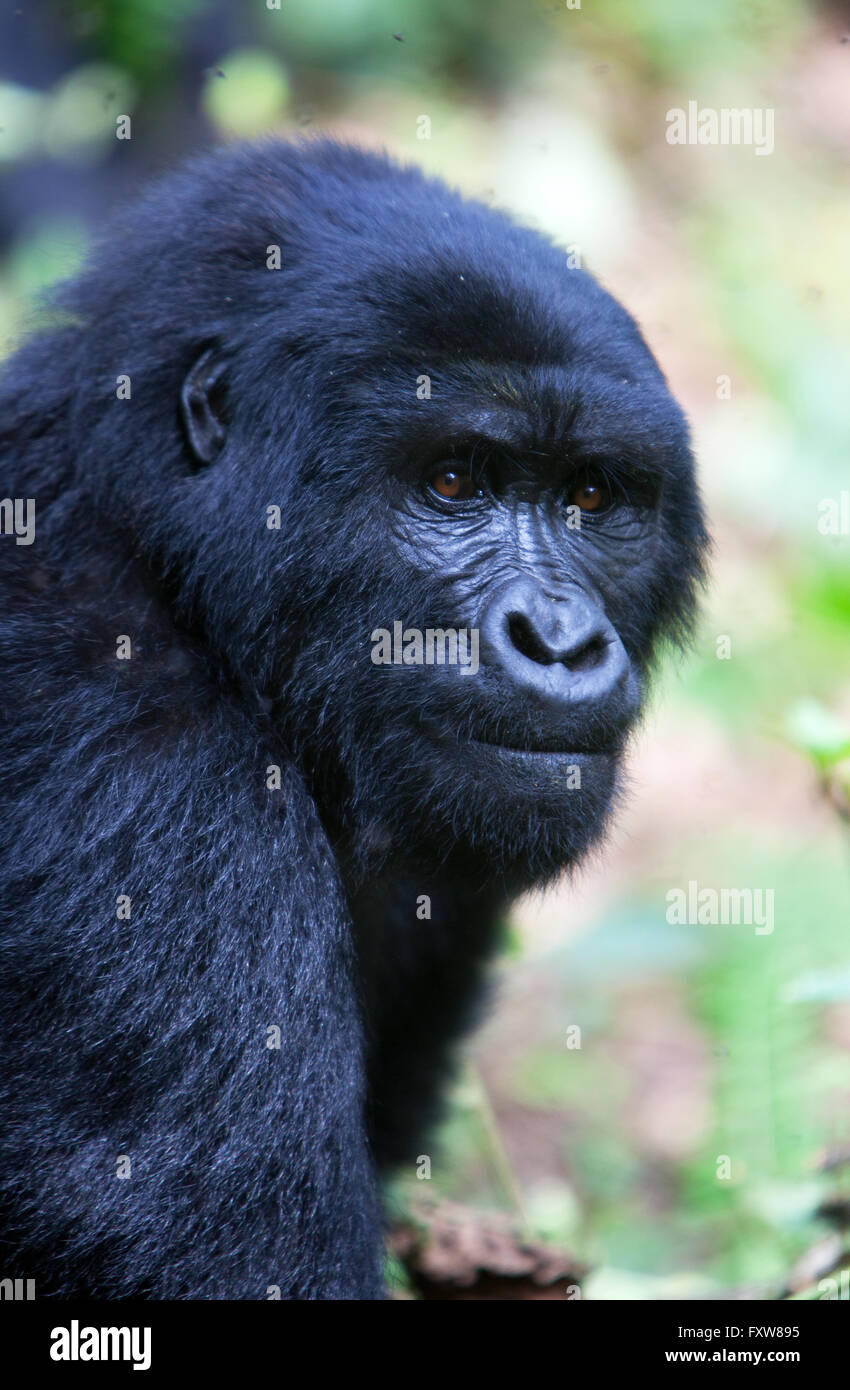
[177, 914]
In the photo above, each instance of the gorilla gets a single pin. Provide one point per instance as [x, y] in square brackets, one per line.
[354, 517]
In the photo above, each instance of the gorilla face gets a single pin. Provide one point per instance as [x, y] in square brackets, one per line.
[541, 506]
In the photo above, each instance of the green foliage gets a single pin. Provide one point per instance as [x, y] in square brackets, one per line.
[818, 732]
[246, 93]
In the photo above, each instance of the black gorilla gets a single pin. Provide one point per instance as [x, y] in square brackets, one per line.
[250, 874]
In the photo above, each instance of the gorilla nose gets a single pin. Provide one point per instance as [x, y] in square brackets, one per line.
[561, 648]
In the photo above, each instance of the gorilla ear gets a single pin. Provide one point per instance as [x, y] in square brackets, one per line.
[202, 406]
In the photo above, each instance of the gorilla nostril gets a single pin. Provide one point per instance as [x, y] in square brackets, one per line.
[527, 641]
[590, 655]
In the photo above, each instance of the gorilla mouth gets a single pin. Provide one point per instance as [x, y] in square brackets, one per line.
[548, 748]
[536, 746]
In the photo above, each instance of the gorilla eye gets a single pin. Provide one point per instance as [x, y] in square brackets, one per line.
[591, 495]
[454, 483]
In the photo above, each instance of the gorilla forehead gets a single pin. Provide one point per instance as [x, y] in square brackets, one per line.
[379, 263]
[433, 273]
[408, 272]
[467, 306]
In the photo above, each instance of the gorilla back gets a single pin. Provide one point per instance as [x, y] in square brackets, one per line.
[300, 404]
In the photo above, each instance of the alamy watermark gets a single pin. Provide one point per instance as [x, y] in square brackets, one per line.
[726, 125]
[17, 518]
[436, 646]
[721, 907]
[834, 515]
[17, 1289]
[84, 1343]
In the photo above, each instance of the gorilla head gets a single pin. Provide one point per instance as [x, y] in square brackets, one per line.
[368, 410]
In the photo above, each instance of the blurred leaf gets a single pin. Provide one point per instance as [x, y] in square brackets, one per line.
[553, 1211]
[249, 96]
[785, 1203]
[818, 732]
[45, 253]
[823, 987]
[80, 115]
[20, 120]
[624, 1285]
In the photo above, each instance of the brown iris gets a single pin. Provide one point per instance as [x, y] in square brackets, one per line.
[591, 496]
[455, 484]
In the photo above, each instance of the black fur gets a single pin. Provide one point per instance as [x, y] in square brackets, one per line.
[252, 906]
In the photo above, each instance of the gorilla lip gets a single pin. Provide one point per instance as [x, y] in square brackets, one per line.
[540, 754]
[543, 752]
[540, 748]
[560, 754]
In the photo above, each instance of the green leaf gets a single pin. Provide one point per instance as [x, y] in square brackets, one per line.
[818, 732]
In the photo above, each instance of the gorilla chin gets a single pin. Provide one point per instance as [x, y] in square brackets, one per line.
[540, 812]
[487, 813]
